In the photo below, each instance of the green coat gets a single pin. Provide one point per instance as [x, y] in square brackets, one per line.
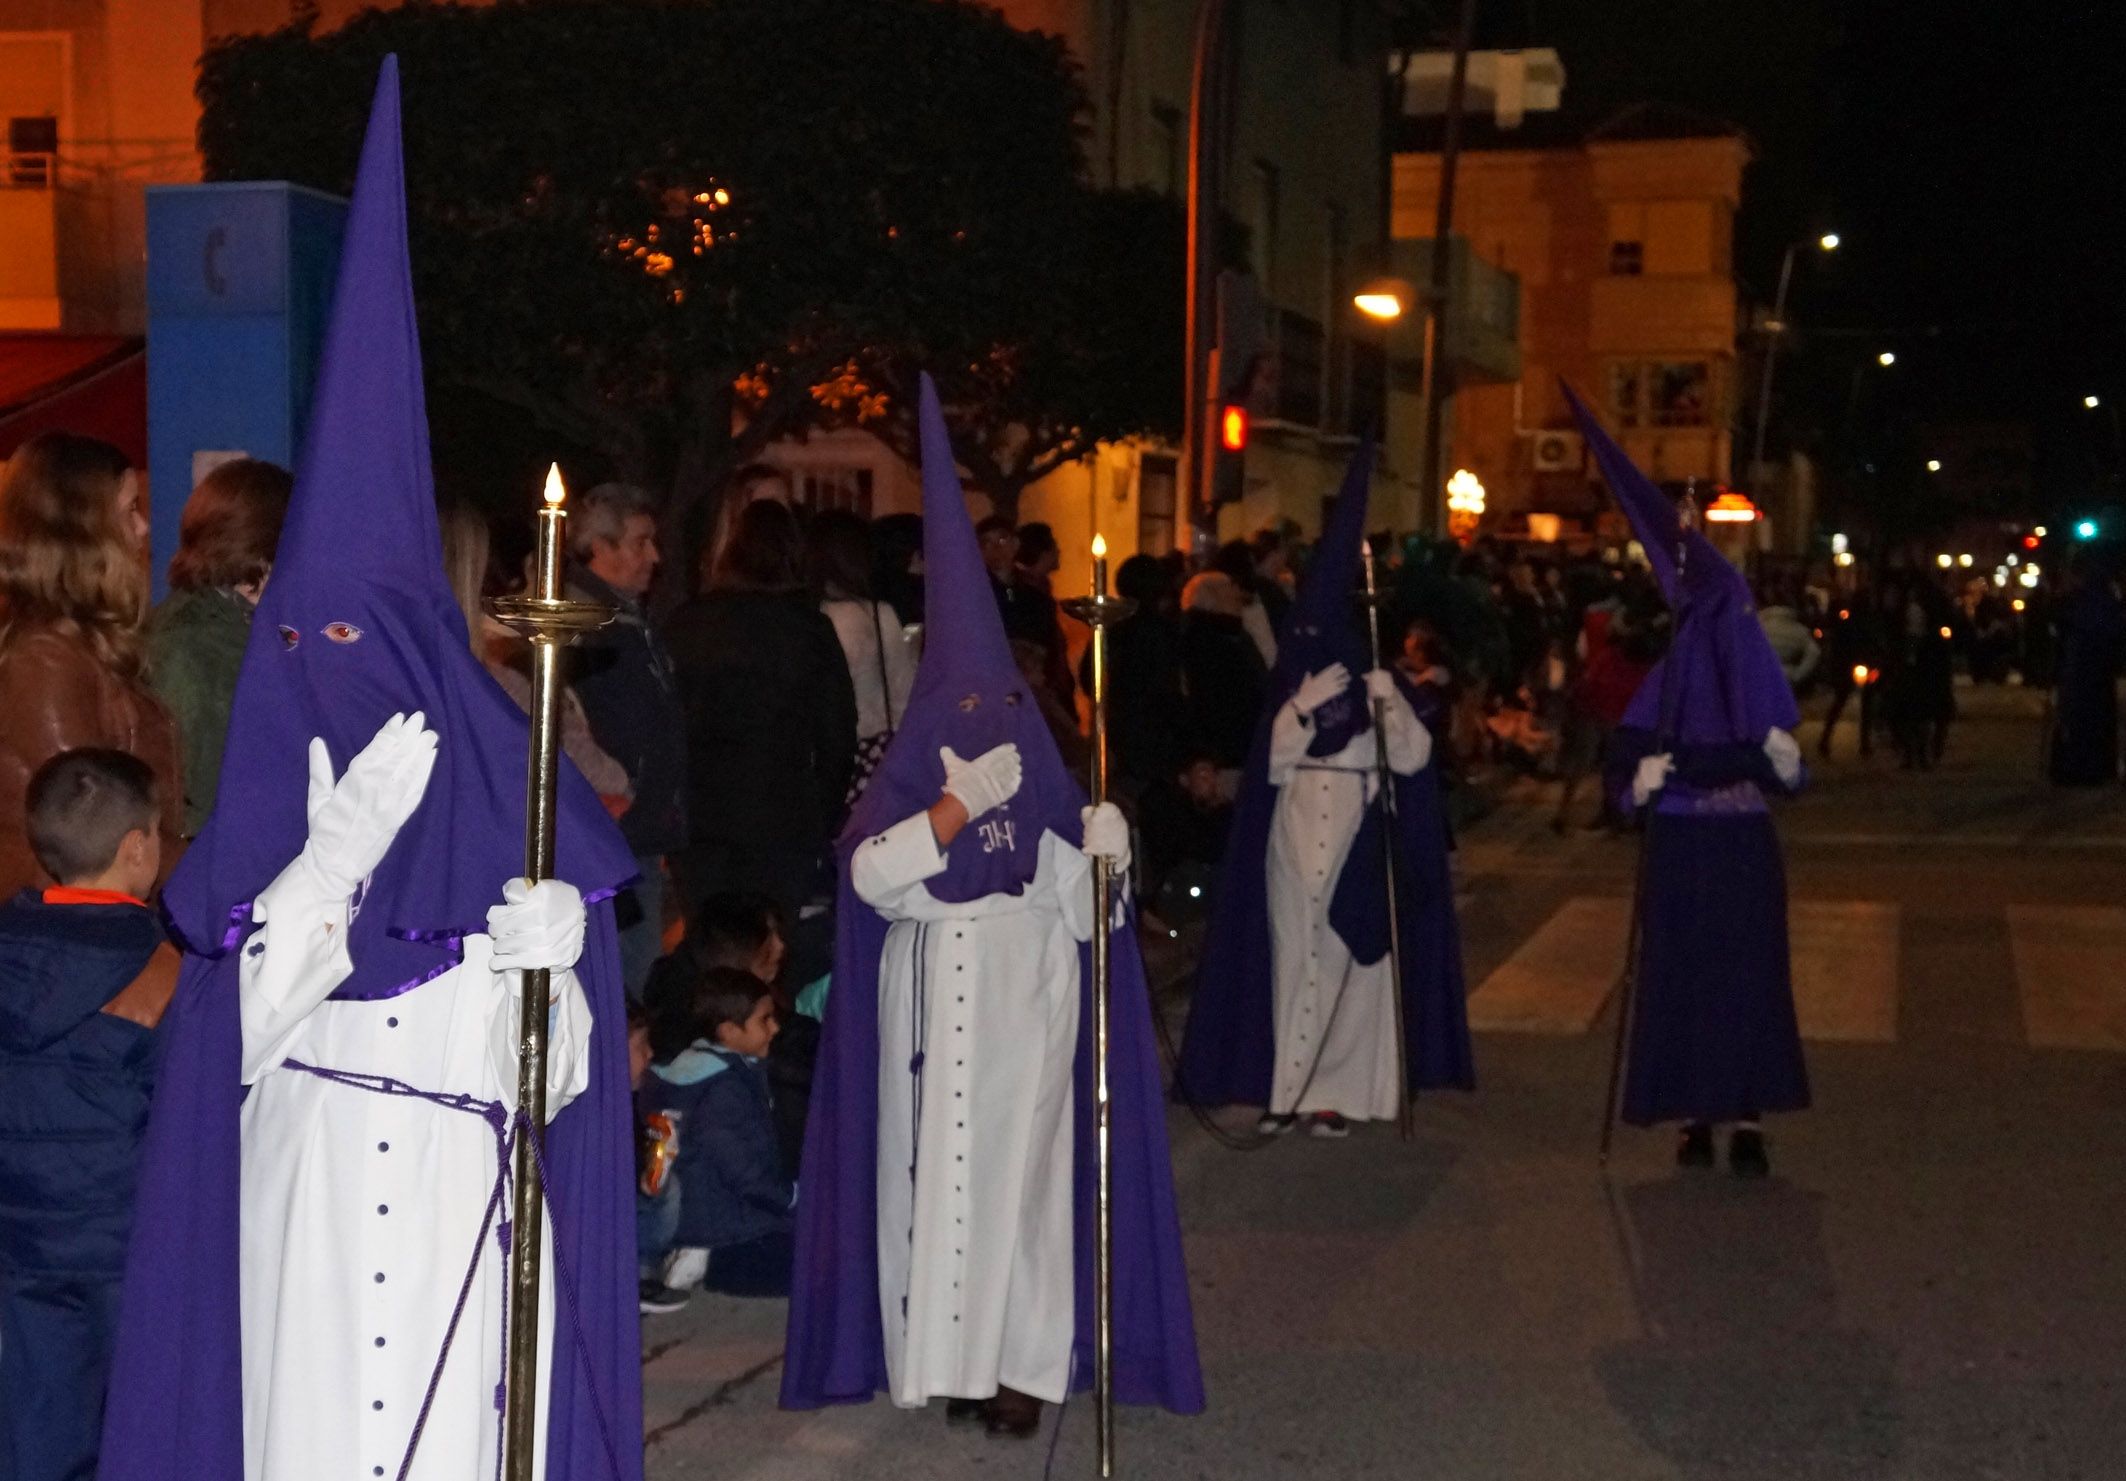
[195, 647]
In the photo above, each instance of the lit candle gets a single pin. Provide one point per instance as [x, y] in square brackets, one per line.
[550, 537]
[1099, 566]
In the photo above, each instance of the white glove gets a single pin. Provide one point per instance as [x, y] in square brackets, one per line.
[1107, 836]
[985, 783]
[537, 925]
[1652, 776]
[686, 1268]
[1785, 756]
[353, 820]
[1380, 686]
[1316, 690]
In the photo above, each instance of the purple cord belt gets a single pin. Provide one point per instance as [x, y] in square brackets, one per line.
[507, 1126]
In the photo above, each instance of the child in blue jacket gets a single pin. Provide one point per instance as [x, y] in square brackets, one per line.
[84, 978]
[737, 1206]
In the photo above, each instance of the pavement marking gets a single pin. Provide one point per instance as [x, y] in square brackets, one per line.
[2066, 969]
[1845, 965]
[1559, 978]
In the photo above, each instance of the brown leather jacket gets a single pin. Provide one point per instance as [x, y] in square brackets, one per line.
[55, 696]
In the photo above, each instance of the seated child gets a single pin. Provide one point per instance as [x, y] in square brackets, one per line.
[656, 1190]
[737, 1207]
[84, 978]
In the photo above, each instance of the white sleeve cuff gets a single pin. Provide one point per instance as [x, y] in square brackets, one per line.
[887, 864]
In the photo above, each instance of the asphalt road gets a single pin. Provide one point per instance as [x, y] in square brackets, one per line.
[1929, 1287]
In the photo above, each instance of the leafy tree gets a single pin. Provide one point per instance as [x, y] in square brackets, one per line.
[672, 233]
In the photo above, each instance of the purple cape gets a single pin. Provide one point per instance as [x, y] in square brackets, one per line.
[969, 695]
[1229, 1053]
[1729, 686]
[357, 623]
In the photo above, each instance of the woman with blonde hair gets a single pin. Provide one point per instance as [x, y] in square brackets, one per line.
[196, 638]
[73, 597]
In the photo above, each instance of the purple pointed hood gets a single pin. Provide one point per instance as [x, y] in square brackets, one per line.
[1730, 687]
[359, 621]
[360, 550]
[968, 695]
[1323, 626]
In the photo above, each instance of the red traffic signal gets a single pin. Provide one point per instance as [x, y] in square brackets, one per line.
[1233, 428]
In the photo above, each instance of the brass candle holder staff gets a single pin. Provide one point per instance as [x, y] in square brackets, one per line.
[551, 622]
[1101, 611]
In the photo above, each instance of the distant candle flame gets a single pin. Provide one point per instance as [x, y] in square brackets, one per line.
[554, 492]
[1099, 547]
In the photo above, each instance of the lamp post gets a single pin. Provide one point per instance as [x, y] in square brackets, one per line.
[1776, 328]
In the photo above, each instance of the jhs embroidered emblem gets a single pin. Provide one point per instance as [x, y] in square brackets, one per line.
[999, 833]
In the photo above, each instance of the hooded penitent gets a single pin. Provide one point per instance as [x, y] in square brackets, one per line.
[969, 696]
[357, 624]
[1714, 1034]
[1229, 1053]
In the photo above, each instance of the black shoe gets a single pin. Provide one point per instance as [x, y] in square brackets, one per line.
[966, 1411]
[1695, 1147]
[1745, 1153]
[1013, 1415]
[659, 1299]
[1329, 1125]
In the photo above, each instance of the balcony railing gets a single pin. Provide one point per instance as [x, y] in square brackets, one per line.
[28, 170]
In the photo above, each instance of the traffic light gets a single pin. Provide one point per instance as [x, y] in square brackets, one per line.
[1229, 457]
[2085, 529]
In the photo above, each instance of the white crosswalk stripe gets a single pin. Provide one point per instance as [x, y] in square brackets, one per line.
[1845, 963]
[2067, 971]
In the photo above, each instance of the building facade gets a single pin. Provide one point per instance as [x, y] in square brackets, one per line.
[1622, 238]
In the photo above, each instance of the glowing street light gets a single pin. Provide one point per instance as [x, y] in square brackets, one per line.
[1828, 241]
[1934, 465]
[2091, 402]
[1965, 560]
[1384, 300]
[1944, 560]
[1886, 358]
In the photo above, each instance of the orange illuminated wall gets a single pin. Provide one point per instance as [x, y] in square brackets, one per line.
[1624, 251]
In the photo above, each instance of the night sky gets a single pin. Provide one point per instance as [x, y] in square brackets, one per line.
[1968, 155]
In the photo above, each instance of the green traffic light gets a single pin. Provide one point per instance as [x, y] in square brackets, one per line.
[2085, 530]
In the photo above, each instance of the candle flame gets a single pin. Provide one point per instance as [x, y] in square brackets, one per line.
[554, 492]
[1099, 547]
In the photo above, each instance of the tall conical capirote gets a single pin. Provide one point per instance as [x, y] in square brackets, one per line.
[1324, 625]
[1729, 687]
[357, 623]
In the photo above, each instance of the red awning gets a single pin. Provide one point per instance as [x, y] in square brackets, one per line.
[93, 384]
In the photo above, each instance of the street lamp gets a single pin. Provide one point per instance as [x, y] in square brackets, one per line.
[2091, 402]
[1385, 300]
[1934, 465]
[1886, 359]
[1776, 328]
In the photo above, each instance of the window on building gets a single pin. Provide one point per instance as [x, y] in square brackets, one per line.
[32, 149]
[835, 488]
[1170, 150]
[1262, 226]
[1661, 393]
[1299, 369]
[1158, 484]
[1626, 259]
[1679, 393]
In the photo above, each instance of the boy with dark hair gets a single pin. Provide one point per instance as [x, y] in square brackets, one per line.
[84, 979]
[706, 1077]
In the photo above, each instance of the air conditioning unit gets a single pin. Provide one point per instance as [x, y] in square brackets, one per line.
[1555, 452]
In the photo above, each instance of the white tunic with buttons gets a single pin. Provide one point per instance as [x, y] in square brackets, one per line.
[978, 1034]
[359, 1211]
[1335, 1019]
